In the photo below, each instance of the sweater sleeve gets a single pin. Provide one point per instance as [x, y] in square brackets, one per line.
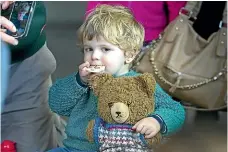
[65, 94]
[171, 112]
[174, 8]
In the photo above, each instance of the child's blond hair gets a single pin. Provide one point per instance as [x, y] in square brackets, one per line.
[115, 24]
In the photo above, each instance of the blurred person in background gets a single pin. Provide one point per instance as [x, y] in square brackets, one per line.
[26, 118]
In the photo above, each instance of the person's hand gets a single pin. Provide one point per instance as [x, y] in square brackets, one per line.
[148, 126]
[84, 74]
[10, 26]
[7, 25]
[5, 4]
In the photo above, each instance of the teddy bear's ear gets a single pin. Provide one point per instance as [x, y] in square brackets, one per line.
[96, 81]
[148, 83]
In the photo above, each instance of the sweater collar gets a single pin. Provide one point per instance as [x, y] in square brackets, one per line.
[130, 73]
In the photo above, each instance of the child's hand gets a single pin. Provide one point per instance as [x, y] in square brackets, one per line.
[84, 74]
[148, 126]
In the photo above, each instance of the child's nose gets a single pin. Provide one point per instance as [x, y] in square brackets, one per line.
[96, 55]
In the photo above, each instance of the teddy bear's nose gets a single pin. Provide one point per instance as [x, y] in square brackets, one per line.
[118, 113]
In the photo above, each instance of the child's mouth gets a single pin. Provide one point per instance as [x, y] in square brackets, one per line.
[96, 68]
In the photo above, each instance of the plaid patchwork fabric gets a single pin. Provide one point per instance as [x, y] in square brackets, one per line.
[120, 138]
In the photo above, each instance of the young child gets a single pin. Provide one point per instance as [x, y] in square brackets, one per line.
[111, 38]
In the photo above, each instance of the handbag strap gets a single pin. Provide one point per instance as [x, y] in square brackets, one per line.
[193, 8]
[224, 19]
[222, 42]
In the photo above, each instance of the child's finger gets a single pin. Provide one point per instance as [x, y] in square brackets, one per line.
[135, 126]
[84, 71]
[144, 130]
[148, 131]
[152, 134]
[139, 128]
[86, 64]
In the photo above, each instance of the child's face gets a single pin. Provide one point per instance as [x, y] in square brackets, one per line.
[100, 52]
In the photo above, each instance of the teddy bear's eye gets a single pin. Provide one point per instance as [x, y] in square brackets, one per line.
[110, 104]
[129, 103]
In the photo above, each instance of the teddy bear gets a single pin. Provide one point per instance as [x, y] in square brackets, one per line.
[122, 102]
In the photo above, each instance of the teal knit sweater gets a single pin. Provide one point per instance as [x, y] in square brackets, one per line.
[67, 97]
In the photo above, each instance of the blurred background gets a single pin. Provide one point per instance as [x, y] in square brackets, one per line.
[202, 132]
[63, 20]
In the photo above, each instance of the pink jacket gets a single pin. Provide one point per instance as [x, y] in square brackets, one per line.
[151, 14]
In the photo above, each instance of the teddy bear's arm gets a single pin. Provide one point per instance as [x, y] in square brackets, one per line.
[154, 140]
[89, 130]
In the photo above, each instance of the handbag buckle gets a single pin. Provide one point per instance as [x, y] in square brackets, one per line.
[222, 24]
[186, 12]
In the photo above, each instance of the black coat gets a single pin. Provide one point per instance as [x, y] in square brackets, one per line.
[209, 18]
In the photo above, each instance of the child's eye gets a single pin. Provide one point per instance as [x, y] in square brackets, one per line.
[106, 49]
[88, 49]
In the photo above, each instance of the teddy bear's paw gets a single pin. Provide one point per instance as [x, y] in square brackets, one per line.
[89, 130]
[155, 141]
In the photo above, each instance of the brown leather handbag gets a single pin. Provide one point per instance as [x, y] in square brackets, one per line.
[187, 66]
